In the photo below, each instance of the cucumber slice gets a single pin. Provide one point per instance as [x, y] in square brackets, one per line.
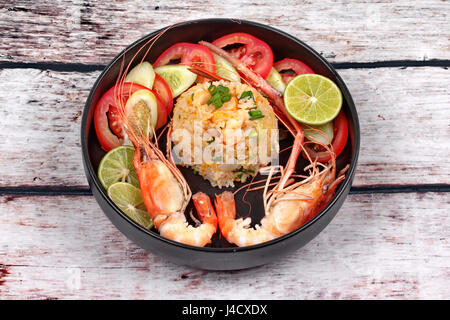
[142, 74]
[275, 80]
[178, 77]
[225, 70]
[142, 112]
[314, 136]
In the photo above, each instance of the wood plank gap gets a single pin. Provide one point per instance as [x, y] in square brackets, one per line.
[81, 191]
[45, 191]
[80, 67]
[61, 67]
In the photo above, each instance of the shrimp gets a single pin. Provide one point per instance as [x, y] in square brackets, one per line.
[175, 227]
[288, 204]
[285, 210]
[164, 189]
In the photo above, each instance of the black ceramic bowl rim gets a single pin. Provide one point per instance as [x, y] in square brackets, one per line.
[340, 83]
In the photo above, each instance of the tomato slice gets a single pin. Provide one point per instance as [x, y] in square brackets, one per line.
[340, 125]
[162, 112]
[289, 68]
[189, 54]
[162, 89]
[106, 120]
[253, 52]
[108, 125]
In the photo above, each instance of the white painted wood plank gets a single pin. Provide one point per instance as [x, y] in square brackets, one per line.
[94, 32]
[403, 115]
[393, 246]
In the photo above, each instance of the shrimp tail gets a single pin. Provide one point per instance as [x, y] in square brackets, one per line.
[205, 209]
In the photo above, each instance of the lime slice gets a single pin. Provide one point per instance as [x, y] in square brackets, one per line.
[129, 199]
[325, 136]
[117, 165]
[142, 112]
[312, 99]
[178, 77]
[225, 69]
[142, 74]
[275, 80]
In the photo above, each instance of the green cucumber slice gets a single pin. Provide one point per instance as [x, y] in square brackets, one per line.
[142, 112]
[225, 70]
[314, 136]
[178, 77]
[275, 80]
[142, 74]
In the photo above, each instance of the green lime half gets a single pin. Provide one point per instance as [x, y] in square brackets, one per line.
[117, 165]
[129, 199]
[312, 99]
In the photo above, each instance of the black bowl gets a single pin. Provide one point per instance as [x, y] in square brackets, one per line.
[219, 255]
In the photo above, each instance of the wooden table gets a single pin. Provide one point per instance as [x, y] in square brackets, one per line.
[390, 239]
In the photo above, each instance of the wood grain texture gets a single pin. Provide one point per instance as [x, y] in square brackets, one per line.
[93, 32]
[403, 115]
[393, 246]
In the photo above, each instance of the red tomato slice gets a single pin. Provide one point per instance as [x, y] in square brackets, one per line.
[189, 54]
[162, 112]
[340, 133]
[107, 122]
[295, 67]
[254, 53]
[162, 89]
[106, 108]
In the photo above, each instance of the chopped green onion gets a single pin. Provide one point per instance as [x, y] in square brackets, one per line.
[211, 141]
[253, 134]
[255, 114]
[195, 172]
[219, 158]
[246, 94]
[219, 95]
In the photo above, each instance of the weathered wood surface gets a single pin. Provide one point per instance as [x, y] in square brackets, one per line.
[92, 32]
[403, 116]
[393, 246]
[380, 245]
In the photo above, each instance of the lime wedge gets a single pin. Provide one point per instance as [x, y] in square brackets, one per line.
[117, 165]
[178, 77]
[142, 74]
[225, 70]
[312, 99]
[129, 199]
[275, 80]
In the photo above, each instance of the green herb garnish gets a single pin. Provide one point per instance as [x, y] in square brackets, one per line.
[211, 141]
[219, 158]
[253, 134]
[195, 172]
[239, 176]
[219, 95]
[255, 114]
[242, 170]
[246, 94]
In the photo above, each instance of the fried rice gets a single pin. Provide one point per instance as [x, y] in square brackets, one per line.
[224, 143]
